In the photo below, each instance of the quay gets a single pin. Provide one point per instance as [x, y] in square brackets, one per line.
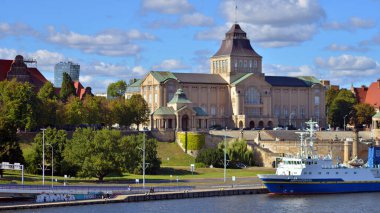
[145, 197]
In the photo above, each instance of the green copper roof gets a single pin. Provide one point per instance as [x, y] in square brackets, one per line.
[199, 111]
[179, 97]
[309, 80]
[136, 84]
[377, 115]
[241, 79]
[162, 76]
[164, 111]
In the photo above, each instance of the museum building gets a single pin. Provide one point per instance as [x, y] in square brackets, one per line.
[236, 94]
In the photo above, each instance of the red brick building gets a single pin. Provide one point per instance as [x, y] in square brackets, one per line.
[369, 95]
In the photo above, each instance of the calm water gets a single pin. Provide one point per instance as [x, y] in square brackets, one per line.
[362, 202]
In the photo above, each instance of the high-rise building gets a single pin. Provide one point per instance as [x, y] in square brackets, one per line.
[67, 67]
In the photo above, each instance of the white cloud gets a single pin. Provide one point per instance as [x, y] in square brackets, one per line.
[170, 65]
[347, 69]
[294, 22]
[196, 19]
[45, 59]
[354, 23]
[110, 42]
[275, 12]
[345, 48]
[167, 6]
[16, 29]
[283, 70]
[139, 70]
[85, 79]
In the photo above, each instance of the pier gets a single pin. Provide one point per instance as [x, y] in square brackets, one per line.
[146, 197]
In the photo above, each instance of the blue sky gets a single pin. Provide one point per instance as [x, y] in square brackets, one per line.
[336, 40]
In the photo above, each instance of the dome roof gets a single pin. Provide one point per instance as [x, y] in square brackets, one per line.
[236, 44]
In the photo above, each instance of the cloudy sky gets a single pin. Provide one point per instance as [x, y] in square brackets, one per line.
[122, 39]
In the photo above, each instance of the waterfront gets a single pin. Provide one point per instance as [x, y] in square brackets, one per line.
[360, 202]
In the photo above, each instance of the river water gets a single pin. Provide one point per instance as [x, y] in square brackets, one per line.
[360, 202]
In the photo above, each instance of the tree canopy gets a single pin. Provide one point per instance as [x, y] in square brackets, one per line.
[67, 87]
[139, 109]
[341, 107]
[117, 89]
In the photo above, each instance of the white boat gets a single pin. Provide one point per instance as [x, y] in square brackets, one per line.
[310, 173]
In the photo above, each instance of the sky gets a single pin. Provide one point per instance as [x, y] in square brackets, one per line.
[122, 39]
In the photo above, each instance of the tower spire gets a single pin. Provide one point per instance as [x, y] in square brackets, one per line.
[235, 12]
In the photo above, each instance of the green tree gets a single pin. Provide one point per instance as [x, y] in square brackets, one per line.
[19, 104]
[117, 89]
[96, 153]
[47, 102]
[93, 110]
[121, 113]
[9, 147]
[53, 138]
[139, 109]
[341, 106]
[214, 157]
[67, 87]
[363, 114]
[74, 111]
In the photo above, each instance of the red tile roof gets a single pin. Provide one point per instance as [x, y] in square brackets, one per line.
[80, 90]
[37, 78]
[373, 94]
[361, 93]
[5, 66]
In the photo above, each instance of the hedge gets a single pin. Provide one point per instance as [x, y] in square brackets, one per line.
[195, 141]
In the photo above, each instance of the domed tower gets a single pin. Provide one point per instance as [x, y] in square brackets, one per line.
[235, 56]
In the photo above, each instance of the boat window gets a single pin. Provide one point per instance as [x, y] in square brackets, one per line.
[305, 173]
[315, 162]
[346, 173]
[303, 162]
[319, 173]
[309, 173]
[355, 173]
[327, 173]
[337, 172]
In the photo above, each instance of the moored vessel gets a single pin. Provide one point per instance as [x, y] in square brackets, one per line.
[310, 173]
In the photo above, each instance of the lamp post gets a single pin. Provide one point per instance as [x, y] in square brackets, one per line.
[344, 122]
[52, 165]
[144, 160]
[43, 156]
[225, 154]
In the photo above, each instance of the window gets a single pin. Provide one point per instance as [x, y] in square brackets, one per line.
[277, 111]
[170, 96]
[252, 96]
[255, 63]
[150, 98]
[145, 97]
[236, 63]
[240, 63]
[245, 63]
[155, 98]
[213, 110]
[250, 63]
[150, 88]
[327, 173]
[316, 100]
[156, 88]
[285, 111]
[302, 112]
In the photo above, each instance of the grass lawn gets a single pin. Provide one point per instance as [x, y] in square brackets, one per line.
[172, 155]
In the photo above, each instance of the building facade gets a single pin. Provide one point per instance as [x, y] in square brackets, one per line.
[236, 94]
[369, 95]
[67, 67]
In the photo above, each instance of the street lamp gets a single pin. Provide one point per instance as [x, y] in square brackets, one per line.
[43, 156]
[143, 164]
[52, 164]
[225, 155]
[344, 122]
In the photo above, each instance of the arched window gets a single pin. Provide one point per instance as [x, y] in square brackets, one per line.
[252, 96]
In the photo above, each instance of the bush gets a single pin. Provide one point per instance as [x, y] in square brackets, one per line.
[210, 157]
[191, 140]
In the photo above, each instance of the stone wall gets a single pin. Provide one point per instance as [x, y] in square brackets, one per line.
[165, 136]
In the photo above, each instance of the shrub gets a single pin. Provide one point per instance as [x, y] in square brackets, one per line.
[210, 157]
[191, 140]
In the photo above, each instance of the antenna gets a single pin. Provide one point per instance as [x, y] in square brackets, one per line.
[235, 12]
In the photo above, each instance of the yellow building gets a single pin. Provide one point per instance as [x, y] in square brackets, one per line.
[236, 93]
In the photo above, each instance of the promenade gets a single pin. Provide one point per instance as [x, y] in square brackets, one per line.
[146, 197]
